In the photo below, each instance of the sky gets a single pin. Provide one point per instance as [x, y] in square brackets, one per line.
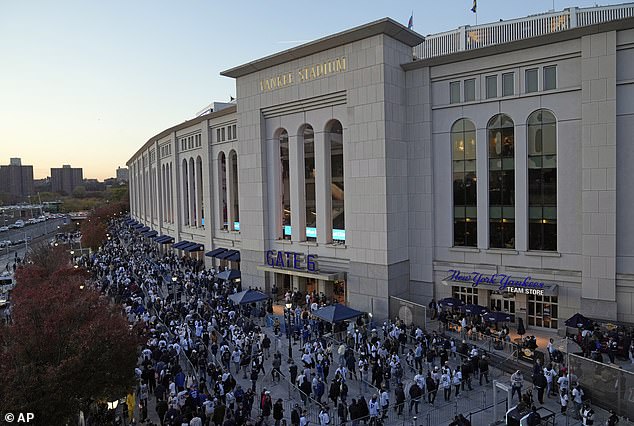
[88, 82]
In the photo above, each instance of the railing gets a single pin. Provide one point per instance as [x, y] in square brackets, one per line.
[474, 37]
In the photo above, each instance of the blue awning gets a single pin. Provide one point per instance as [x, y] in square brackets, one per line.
[138, 225]
[215, 252]
[235, 257]
[194, 247]
[164, 239]
[150, 234]
[181, 244]
[143, 229]
[248, 296]
[226, 254]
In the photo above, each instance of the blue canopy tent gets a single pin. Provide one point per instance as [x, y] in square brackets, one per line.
[150, 234]
[235, 257]
[450, 302]
[229, 274]
[226, 254]
[471, 309]
[337, 313]
[248, 296]
[137, 226]
[143, 229]
[578, 321]
[497, 317]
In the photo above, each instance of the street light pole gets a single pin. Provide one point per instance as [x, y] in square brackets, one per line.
[287, 312]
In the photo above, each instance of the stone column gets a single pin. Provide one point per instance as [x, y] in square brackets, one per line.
[598, 139]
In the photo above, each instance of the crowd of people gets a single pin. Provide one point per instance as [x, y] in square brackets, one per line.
[208, 361]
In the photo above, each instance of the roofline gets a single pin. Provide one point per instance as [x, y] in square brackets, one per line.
[382, 26]
[181, 126]
[545, 39]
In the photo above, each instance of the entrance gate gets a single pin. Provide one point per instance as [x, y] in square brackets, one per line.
[408, 311]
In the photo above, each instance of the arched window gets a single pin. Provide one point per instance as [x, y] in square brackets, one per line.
[308, 138]
[235, 204]
[285, 179]
[501, 134]
[192, 193]
[222, 182]
[542, 181]
[337, 195]
[185, 176]
[465, 215]
[199, 191]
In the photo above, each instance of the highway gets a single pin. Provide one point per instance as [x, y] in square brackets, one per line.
[37, 232]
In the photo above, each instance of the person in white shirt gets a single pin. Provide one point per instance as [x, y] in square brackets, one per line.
[549, 373]
[577, 400]
[373, 408]
[385, 402]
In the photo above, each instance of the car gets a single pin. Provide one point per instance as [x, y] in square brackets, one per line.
[4, 228]
[19, 224]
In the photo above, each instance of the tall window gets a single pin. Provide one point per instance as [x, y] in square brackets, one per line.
[491, 86]
[222, 181]
[309, 183]
[463, 141]
[542, 181]
[286, 186]
[530, 80]
[199, 191]
[185, 176]
[469, 90]
[233, 157]
[335, 134]
[501, 182]
[454, 92]
[543, 311]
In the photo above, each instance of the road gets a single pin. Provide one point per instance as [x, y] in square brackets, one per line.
[36, 231]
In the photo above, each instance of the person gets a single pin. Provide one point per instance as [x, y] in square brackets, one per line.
[295, 415]
[342, 412]
[631, 351]
[577, 400]
[563, 400]
[303, 420]
[385, 402]
[587, 415]
[517, 381]
[534, 419]
[278, 411]
[415, 393]
[483, 366]
[540, 383]
[399, 394]
[324, 416]
[612, 348]
[445, 384]
[613, 420]
[373, 408]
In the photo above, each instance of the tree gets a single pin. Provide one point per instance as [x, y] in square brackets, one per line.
[67, 344]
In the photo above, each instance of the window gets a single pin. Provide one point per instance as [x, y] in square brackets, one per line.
[454, 92]
[501, 182]
[531, 80]
[233, 158]
[469, 90]
[222, 179]
[463, 141]
[466, 294]
[508, 84]
[229, 133]
[543, 311]
[550, 77]
[335, 134]
[222, 134]
[286, 187]
[492, 86]
[309, 183]
[542, 181]
[234, 132]
[218, 135]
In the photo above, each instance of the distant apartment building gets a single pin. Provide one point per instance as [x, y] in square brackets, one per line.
[66, 179]
[122, 174]
[16, 179]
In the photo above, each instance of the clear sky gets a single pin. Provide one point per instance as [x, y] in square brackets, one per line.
[87, 82]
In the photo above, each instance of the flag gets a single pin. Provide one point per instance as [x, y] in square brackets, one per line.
[410, 23]
[474, 9]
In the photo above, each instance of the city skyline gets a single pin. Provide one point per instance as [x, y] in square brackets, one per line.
[89, 83]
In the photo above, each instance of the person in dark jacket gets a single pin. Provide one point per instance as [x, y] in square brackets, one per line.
[342, 412]
[278, 411]
[161, 409]
[295, 414]
[432, 388]
[540, 384]
[483, 365]
[415, 393]
[399, 394]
